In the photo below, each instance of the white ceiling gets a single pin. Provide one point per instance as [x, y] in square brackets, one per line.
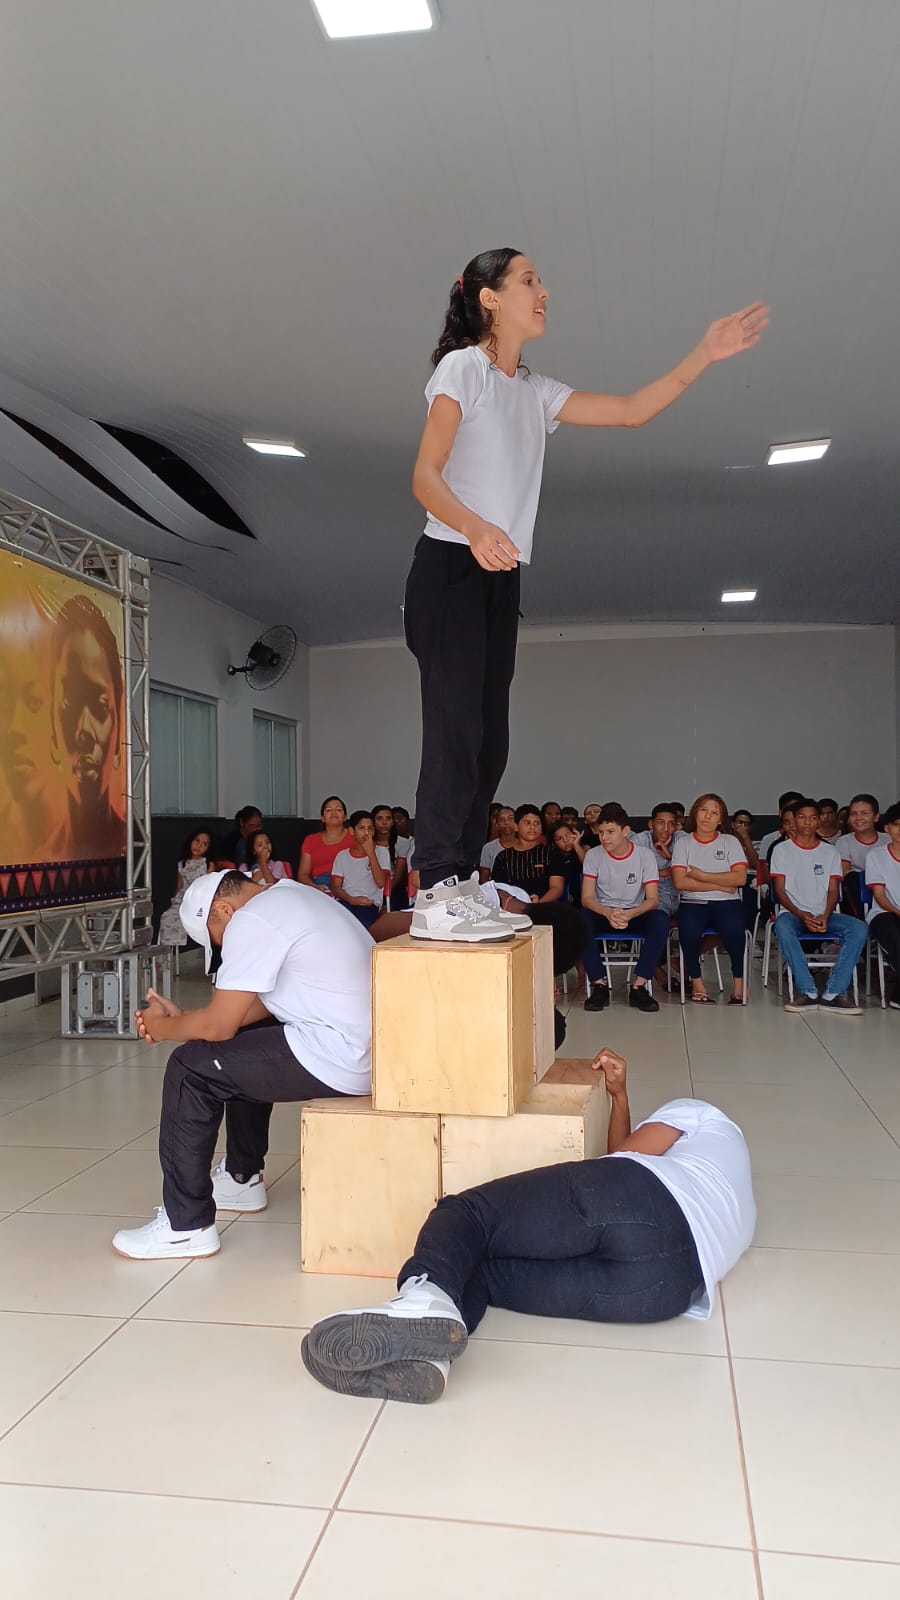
[214, 221]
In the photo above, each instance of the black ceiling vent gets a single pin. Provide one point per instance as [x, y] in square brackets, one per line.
[84, 469]
[182, 479]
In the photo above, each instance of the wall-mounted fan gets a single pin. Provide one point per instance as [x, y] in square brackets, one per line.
[269, 658]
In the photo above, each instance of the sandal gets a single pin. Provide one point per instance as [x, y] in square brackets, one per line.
[736, 1000]
[703, 999]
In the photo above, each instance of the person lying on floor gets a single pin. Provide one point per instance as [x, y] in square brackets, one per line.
[641, 1234]
[290, 1019]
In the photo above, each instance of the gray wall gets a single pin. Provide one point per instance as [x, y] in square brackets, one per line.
[636, 715]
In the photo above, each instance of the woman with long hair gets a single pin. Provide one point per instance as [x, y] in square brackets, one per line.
[318, 850]
[478, 477]
[709, 870]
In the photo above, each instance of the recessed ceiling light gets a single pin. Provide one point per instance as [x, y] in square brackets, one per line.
[801, 450]
[732, 596]
[351, 19]
[274, 447]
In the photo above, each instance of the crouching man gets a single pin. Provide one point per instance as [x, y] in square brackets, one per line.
[641, 1234]
[290, 1019]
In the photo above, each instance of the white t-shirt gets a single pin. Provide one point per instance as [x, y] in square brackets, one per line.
[404, 848]
[857, 852]
[619, 880]
[767, 841]
[311, 966]
[883, 870]
[807, 872]
[668, 894]
[490, 853]
[497, 457]
[357, 874]
[707, 1171]
[719, 854]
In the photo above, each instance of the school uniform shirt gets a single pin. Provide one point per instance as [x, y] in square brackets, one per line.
[807, 872]
[311, 966]
[497, 457]
[357, 874]
[618, 881]
[668, 894]
[707, 1173]
[857, 852]
[767, 841]
[530, 870]
[404, 848]
[719, 854]
[489, 854]
[883, 871]
[321, 854]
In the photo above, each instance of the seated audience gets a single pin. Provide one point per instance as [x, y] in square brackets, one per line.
[883, 878]
[403, 822]
[640, 1235]
[565, 838]
[709, 870]
[551, 816]
[679, 811]
[777, 834]
[590, 838]
[505, 840]
[855, 847]
[260, 866]
[290, 1018]
[527, 864]
[742, 827]
[318, 850]
[844, 819]
[570, 817]
[658, 838]
[405, 844]
[805, 874]
[196, 860]
[361, 876]
[829, 826]
[234, 845]
[620, 893]
[386, 835]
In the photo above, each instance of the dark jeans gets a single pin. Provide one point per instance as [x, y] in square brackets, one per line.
[724, 917]
[461, 625]
[567, 923]
[602, 1240]
[653, 927]
[364, 914]
[242, 1076]
[885, 929]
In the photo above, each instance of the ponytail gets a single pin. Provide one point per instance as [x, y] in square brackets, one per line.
[467, 321]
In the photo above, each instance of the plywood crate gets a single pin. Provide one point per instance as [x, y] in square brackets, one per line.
[454, 1025]
[368, 1180]
[542, 1001]
[558, 1122]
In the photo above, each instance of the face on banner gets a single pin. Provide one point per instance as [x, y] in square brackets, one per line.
[62, 754]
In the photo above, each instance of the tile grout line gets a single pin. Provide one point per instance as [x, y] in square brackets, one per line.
[757, 1568]
[337, 1500]
[60, 1381]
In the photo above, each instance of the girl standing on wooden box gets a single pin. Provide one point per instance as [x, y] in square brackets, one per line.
[478, 476]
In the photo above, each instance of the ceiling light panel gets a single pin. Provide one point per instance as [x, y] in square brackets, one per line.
[781, 455]
[738, 596]
[355, 19]
[274, 447]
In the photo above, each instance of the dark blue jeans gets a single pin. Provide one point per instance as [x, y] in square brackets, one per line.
[652, 927]
[602, 1240]
[725, 917]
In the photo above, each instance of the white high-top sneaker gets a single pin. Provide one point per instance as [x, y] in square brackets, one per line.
[231, 1196]
[422, 1324]
[159, 1241]
[448, 912]
[486, 894]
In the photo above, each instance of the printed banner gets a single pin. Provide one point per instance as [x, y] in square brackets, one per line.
[62, 739]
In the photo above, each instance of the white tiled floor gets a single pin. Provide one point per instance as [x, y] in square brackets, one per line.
[155, 1420]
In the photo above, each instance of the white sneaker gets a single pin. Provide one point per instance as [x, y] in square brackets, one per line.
[159, 1241]
[422, 1324]
[231, 1196]
[417, 1382]
[486, 894]
[456, 917]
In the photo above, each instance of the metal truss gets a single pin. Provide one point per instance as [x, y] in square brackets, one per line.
[32, 941]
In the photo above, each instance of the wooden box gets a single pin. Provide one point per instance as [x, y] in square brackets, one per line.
[454, 1025]
[367, 1182]
[558, 1122]
[543, 1003]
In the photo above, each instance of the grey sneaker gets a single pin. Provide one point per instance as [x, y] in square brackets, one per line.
[802, 1002]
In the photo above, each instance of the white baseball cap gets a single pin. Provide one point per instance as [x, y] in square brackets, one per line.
[194, 909]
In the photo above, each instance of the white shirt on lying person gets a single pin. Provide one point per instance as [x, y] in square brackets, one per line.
[707, 1172]
[807, 871]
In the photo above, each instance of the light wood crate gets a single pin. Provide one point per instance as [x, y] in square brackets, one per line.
[454, 1026]
[367, 1182]
[558, 1122]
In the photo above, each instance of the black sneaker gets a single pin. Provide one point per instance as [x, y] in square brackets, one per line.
[802, 1002]
[642, 999]
[598, 999]
[839, 1005]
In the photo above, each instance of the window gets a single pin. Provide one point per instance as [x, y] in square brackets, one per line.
[184, 775]
[275, 765]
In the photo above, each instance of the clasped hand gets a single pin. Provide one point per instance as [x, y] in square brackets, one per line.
[157, 1006]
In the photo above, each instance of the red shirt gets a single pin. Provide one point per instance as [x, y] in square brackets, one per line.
[322, 854]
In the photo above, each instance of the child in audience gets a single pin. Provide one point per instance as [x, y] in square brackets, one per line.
[709, 870]
[386, 835]
[565, 838]
[528, 864]
[196, 860]
[829, 826]
[658, 838]
[570, 817]
[404, 846]
[260, 866]
[805, 873]
[620, 893]
[551, 817]
[855, 847]
[883, 878]
[505, 840]
[318, 850]
[361, 877]
[778, 834]
[679, 811]
[590, 838]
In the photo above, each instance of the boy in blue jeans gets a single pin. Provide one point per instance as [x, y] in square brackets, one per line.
[806, 876]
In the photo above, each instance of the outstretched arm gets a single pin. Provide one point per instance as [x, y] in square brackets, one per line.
[726, 337]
